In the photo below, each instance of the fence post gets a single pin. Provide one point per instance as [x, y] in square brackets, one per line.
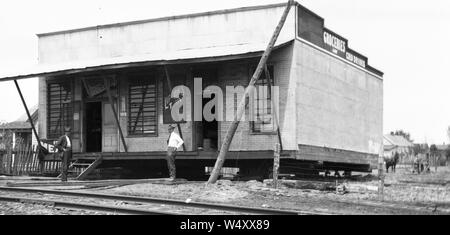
[2, 170]
[435, 162]
[1, 162]
[381, 178]
[276, 164]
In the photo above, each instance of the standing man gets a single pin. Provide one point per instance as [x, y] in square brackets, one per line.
[173, 143]
[64, 145]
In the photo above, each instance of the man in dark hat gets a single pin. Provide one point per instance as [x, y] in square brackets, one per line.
[64, 145]
[173, 143]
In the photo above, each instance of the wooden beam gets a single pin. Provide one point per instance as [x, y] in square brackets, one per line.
[141, 108]
[275, 113]
[248, 91]
[90, 168]
[92, 183]
[111, 101]
[169, 85]
[106, 67]
[276, 164]
[40, 148]
[28, 114]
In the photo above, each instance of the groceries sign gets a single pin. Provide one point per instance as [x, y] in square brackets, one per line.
[339, 46]
[311, 28]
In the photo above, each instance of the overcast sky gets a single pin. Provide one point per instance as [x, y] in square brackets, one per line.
[408, 40]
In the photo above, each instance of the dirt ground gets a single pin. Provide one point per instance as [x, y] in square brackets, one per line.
[404, 193]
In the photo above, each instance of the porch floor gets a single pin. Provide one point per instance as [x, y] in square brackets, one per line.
[188, 155]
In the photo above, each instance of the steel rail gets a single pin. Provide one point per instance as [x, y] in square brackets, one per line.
[213, 206]
[84, 206]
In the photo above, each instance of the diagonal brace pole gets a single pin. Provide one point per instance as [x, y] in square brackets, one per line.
[40, 148]
[108, 91]
[244, 102]
[28, 114]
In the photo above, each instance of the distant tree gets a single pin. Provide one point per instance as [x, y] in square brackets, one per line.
[433, 150]
[420, 148]
[416, 149]
[447, 153]
[6, 139]
[404, 134]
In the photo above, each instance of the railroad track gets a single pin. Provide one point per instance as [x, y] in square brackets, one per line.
[83, 206]
[133, 199]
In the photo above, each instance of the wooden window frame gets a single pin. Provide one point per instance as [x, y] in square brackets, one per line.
[132, 81]
[265, 81]
[68, 117]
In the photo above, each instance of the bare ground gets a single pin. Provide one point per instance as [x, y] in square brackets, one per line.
[404, 193]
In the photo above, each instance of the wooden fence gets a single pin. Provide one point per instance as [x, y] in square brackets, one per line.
[23, 160]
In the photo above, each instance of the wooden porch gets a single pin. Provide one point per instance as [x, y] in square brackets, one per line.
[188, 155]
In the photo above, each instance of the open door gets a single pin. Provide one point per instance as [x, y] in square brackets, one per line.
[93, 127]
[206, 134]
[110, 131]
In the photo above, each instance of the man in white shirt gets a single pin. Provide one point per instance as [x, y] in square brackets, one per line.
[64, 145]
[173, 143]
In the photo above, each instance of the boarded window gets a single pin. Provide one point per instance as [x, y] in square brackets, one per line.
[59, 104]
[142, 106]
[263, 122]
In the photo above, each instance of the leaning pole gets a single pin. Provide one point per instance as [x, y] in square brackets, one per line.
[244, 102]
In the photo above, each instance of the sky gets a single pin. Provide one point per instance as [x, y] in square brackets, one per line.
[408, 40]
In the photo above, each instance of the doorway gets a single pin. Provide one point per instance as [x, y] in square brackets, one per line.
[207, 132]
[93, 127]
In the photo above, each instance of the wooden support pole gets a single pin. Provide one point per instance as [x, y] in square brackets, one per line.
[169, 85]
[276, 164]
[28, 114]
[275, 113]
[33, 128]
[111, 101]
[381, 178]
[435, 162]
[248, 92]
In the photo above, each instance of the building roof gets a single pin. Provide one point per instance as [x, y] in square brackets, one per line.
[17, 125]
[24, 117]
[220, 35]
[442, 147]
[396, 140]
[216, 35]
[167, 18]
[224, 53]
[22, 123]
[388, 147]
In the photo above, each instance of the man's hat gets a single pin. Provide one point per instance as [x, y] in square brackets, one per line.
[67, 129]
[171, 127]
